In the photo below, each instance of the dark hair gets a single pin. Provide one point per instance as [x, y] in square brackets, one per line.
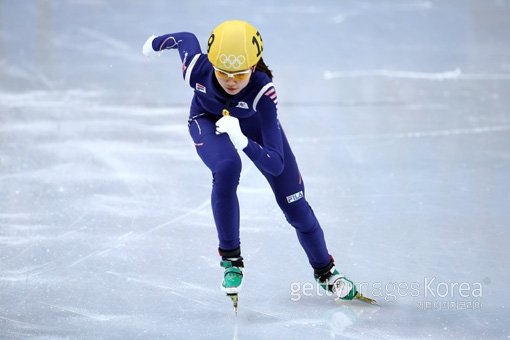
[261, 66]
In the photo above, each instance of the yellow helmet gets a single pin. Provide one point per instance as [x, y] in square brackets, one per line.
[234, 45]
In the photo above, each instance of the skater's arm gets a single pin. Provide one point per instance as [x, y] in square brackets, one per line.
[186, 43]
[269, 156]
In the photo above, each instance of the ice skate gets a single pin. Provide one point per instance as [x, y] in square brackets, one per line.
[343, 288]
[232, 278]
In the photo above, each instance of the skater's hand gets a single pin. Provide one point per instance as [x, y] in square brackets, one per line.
[230, 125]
[147, 49]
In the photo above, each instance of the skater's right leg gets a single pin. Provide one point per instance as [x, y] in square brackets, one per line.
[220, 156]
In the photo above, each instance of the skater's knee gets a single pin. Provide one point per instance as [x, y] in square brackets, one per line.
[227, 169]
[226, 175]
[301, 217]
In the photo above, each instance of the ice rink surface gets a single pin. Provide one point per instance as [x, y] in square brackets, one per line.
[398, 113]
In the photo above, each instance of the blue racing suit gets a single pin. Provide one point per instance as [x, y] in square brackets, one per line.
[256, 108]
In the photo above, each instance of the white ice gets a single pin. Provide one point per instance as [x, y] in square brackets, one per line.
[397, 111]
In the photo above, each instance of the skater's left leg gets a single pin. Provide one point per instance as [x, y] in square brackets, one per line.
[289, 192]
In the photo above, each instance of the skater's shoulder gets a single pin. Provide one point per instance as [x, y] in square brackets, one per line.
[260, 80]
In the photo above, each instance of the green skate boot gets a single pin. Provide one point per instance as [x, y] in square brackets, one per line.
[232, 278]
[344, 289]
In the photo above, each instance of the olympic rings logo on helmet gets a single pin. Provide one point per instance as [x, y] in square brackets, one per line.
[231, 61]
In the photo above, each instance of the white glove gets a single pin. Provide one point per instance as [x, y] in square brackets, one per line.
[147, 49]
[230, 126]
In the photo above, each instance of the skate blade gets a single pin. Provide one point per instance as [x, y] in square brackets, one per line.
[365, 299]
[360, 297]
[235, 298]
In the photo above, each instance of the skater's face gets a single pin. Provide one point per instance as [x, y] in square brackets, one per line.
[234, 82]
